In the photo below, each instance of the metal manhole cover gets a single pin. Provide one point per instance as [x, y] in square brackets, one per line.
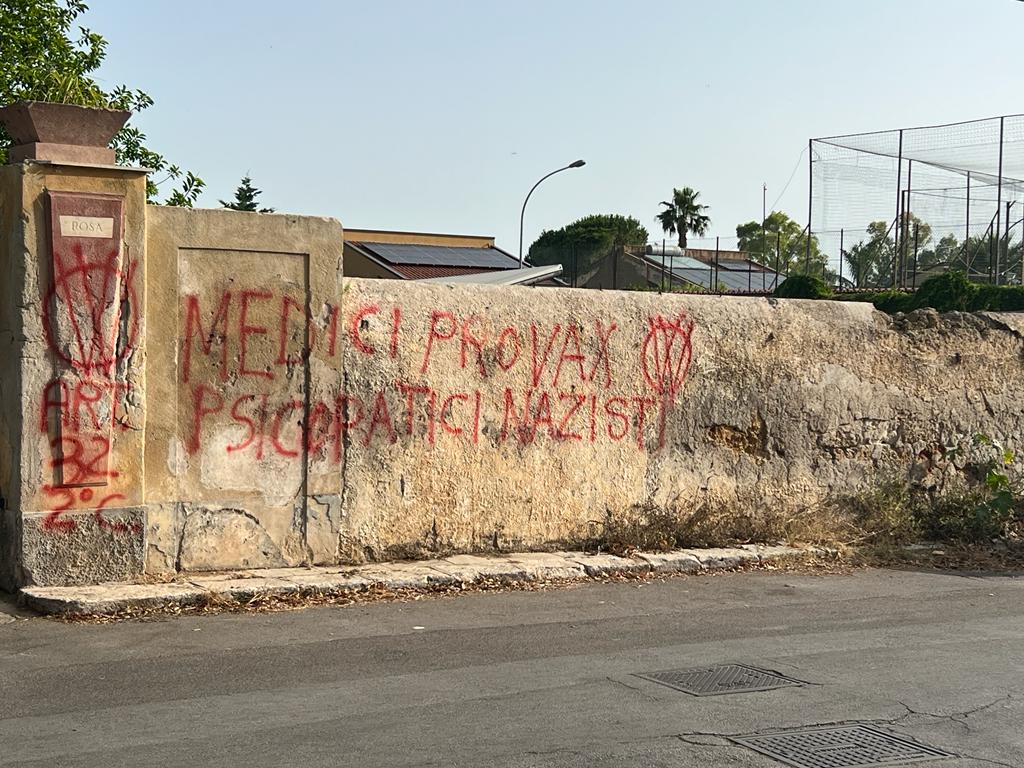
[721, 678]
[843, 747]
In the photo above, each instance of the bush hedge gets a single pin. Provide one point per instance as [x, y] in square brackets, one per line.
[945, 293]
[803, 287]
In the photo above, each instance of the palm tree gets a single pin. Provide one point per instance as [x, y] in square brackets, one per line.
[684, 215]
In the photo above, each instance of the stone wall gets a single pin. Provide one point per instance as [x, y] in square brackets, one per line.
[472, 418]
[476, 418]
[198, 390]
[74, 372]
[12, 259]
[237, 299]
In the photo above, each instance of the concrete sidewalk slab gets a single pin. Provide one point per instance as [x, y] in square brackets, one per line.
[672, 562]
[243, 585]
[402, 575]
[546, 566]
[102, 599]
[244, 588]
[724, 557]
[602, 565]
[471, 568]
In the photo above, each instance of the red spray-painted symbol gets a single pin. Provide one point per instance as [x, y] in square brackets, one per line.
[87, 309]
[665, 356]
[91, 324]
[666, 353]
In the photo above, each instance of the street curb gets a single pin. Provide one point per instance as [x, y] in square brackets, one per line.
[241, 586]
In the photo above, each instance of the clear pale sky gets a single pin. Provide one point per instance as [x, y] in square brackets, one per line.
[439, 116]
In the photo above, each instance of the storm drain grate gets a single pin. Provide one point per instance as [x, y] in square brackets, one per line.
[721, 678]
[859, 746]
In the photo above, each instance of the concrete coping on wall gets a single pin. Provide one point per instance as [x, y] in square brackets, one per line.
[91, 166]
[242, 586]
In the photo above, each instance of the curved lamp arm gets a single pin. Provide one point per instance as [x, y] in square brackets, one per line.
[522, 214]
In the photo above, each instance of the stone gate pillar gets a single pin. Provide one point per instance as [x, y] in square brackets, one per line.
[72, 383]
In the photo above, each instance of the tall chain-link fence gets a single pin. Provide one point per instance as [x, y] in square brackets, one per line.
[892, 208]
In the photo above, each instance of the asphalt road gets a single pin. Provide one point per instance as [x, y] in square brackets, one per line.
[522, 679]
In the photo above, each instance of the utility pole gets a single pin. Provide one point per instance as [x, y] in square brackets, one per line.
[764, 222]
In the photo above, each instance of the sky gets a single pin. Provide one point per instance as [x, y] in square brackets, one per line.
[439, 116]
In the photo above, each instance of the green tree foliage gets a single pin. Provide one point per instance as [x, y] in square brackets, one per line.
[245, 198]
[684, 215]
[871, 262]
[946, 293]
[586, 242]
[803, 287]
[43, 58]
[788, 237]
[946, 253]
[983, 253]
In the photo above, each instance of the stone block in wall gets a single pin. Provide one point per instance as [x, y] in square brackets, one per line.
[83, 547]
[323, 527]
[223, 538]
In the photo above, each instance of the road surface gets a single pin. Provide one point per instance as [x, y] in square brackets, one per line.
[521, 679]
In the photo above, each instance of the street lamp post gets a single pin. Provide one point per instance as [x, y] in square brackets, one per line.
[522, 215]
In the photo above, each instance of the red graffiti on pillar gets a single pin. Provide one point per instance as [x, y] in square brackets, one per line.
[91, 322]
[88, 313]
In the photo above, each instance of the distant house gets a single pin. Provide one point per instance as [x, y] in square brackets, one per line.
[435, 257]
[651, 267]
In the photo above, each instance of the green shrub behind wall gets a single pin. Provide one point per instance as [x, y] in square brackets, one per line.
[945, 293]
[951, 292]
[803, 287]
[999, 298]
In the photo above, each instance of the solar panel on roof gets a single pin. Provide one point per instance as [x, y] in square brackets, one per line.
[734, 281]
[741, 266]
[686, 262]
[440, 255]
[677, 262]
[701, 277]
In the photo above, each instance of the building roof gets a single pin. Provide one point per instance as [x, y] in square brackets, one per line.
[527, 276]
[429, 271]
[434, 255]
[417, 238]
[737, 273]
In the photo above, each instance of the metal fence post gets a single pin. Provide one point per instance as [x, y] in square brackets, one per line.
[663, 265]
[899, 205]
[967, 229]
[999, 195]
[916, 233]
[778, 254]
[810, 200]
[714, 272]
[840, 259]
[1006, 237]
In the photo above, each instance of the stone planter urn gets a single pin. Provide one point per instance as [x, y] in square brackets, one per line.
[42, 130]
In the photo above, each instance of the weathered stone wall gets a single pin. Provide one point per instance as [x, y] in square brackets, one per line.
[74, 378]
[236, 299]
[197, 390]
[474, 418]
[479, 417]
[12, 257]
